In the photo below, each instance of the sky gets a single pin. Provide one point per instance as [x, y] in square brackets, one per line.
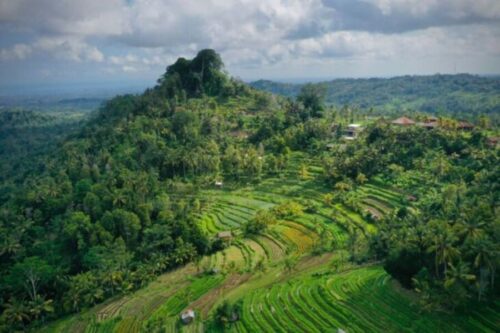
[75, 43]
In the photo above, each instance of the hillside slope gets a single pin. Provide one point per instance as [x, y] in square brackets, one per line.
[460, 94]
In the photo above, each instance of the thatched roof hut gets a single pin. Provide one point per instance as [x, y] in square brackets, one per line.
[464, 125]
[187, 316]
[225, 235]
[403, 121]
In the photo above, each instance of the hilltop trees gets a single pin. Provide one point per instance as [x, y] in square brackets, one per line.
[193, 78]
[115, 204]
[96, 219]
[312, 97]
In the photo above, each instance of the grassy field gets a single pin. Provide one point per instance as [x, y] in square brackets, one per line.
[318, 293]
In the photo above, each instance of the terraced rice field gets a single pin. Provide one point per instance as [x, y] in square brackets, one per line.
[312, 296]
[360, 300]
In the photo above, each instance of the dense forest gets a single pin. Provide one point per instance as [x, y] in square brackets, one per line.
[117, 201]
[461, 95]
[26, 136]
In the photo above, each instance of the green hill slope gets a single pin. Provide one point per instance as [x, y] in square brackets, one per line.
[458, 95]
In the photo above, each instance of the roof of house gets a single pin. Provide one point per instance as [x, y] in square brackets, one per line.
[403, 121]
[224, 234]
[354, 125]
[493, 141]
[465, 124]
[430, 124]
[239, 134]
[187, 314]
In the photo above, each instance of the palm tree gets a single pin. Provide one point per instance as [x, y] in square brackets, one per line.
[443, 246]
[11, 245]
[458, 275]
[16, 312]
[119, 198]
[485, 257]
[40, 306]
[471, 226]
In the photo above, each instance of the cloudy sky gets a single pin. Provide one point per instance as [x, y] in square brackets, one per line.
[112, 41]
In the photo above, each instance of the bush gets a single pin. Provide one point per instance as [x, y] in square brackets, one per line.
[227, 313]
[259, 223]
[288, 210]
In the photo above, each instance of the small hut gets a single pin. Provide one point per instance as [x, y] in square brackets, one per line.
[411, 198]
[225, 235]
[429, 124]
[493, 142]
[465, 126]
[219, 183]
[352, 131]
[187, 316]
[403, 121]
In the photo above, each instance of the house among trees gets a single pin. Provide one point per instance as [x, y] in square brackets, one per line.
[239, 134]
[411, 198]
[494, 142]
[219, 183]
[225, 235]
[430, 123]
[465, 126]
[187, 316]
[352, 131]
[403, 121]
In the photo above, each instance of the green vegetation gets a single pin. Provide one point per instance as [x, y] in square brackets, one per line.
[252, 210]
[26, 137]
[461, 96]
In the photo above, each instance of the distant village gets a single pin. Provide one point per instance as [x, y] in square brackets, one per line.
[353, 130]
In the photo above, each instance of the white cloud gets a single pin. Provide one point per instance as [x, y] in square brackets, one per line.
[69, 49]
[59, 47]
[453, 8]
[18, 51]
[54, 17]
[144, 35]
[470, 41]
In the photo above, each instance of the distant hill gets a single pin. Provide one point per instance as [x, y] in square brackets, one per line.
[21, 118]
[457, 94]
[83, 102]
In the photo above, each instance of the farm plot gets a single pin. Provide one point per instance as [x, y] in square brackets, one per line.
[309, 297]
[361, 300]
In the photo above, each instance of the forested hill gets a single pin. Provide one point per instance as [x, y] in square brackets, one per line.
[136, 192]
[452, 94]
[23, 118]
[112, 206]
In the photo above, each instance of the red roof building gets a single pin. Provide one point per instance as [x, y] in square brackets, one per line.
[403, 121]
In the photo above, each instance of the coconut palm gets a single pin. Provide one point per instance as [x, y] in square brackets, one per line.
[443, 246]
[16, 312]
[458, 274]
